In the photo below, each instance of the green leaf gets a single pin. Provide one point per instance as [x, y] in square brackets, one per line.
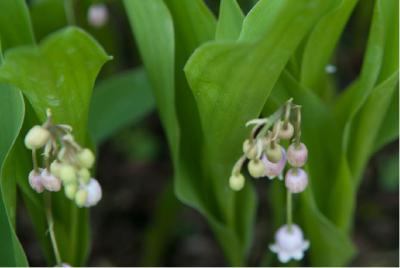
[321, 43]
[158, 58]
[119, 100]
[15, 24]
[229, 21]
[11, 119]
[60, 74]
[328, 245]
[47, 16]
[389, 130]
[367, 124]
[349, 102]
[149, 20]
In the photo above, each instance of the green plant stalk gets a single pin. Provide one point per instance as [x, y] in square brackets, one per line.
[50, 222]
[289, 210]
[34, 160]
[69, 11]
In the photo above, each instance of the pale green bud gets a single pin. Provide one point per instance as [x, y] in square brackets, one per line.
[249, 149]
[236, 182]
[55, 168]
[84, 175]
[256, 168]
[286, 133]
[86, 158]
[80, 197]
[70, 190]
[37, 137]
[67, 173]
[274, 153]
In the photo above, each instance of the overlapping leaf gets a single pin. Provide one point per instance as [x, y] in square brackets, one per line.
[15, 24]
[11, 119]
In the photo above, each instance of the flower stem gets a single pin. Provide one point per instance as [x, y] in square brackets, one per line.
[50, 223]
[297, 125]
[289, 210]
[34, 160]
[69, 11]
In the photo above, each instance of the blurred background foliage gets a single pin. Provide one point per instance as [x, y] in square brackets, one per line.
[140, 221]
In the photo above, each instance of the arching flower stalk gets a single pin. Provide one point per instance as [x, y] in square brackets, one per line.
[65, 164]
[266, 157]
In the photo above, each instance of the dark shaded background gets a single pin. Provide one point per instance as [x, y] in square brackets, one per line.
[135, 171]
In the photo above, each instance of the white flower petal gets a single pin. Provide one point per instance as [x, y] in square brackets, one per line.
[283, 257]
[306, 245]
[273, 248]
[94, 193]
[298, 255]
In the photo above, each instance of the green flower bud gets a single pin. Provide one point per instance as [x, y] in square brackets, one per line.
[86, 158]
[55, 168]
[236, 182]
[70, 190]
[286, 133]
[274, 154]
[84, 175]
[37, 137]
[80, 197]
[249, 149]
[67, 173]
[256, 168]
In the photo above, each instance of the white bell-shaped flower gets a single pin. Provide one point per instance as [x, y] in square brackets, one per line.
[289, 243]
[94, 193]
[35, 181]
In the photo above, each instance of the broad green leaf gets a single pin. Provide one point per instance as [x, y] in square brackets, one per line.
[60, 74]
[119, 100]
[229, 21]
[15, 24]
[11, 119]
[231, 82]
[321, 43]
[389, 130]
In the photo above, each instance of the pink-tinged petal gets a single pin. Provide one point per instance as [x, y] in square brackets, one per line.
[296, 180]
[297, 157]
[35, 181]
[50, 182]
[274, 169]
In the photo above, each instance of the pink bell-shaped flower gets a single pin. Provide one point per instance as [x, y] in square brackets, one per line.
[35, 181]
[272, 169]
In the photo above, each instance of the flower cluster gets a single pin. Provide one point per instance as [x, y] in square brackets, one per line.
[265, 155]
[66, 163]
